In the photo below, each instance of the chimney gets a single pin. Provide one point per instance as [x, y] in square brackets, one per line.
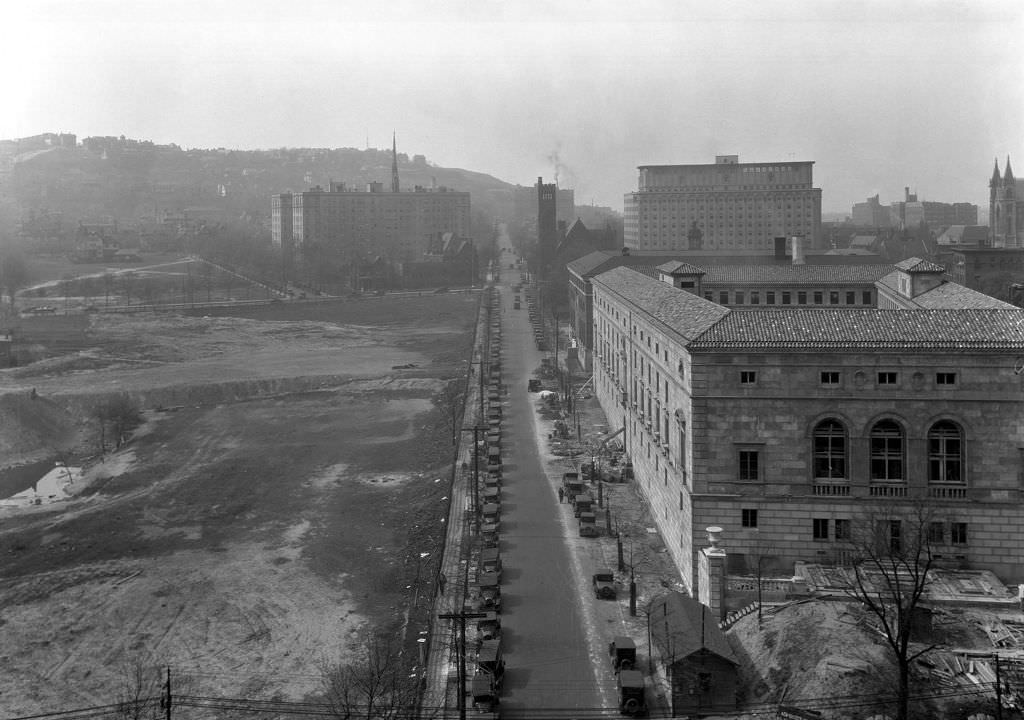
[798, 250]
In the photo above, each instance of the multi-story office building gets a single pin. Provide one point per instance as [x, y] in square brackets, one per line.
[870, 213]
[397, 225]
[727, 207]
[910, 213]
[788, 427]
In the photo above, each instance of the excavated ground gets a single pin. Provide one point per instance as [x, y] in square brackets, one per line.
[291, 468]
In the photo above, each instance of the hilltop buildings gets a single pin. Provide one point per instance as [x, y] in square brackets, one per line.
[787, 425]
[727, 207]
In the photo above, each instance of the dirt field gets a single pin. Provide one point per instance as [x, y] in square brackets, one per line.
[273, 504]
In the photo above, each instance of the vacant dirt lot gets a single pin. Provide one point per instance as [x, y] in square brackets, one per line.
[274, 503]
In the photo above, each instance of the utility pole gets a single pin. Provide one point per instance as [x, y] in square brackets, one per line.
[165, 701]
[999, 691]
[461, 617]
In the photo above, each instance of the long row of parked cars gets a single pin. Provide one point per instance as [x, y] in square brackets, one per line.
[484, 598]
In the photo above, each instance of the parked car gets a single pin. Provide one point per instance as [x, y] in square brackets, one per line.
[604, 584]
[623, 653]
[490, 562]
[632, 693]
[588, 525]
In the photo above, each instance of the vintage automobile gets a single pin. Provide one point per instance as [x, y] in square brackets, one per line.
[572, 485]
[588, 525]
[632, 693]
[490, 562]
[492, 514]
[491, 495]
[583, 502]
[533, 385]
[489, 532]
[488, 592]
[623, 653]
[484, 692]
[488, 627]
[490, 662]
[604, 584]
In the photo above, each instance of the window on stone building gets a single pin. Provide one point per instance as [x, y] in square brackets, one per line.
[787, 298]
[830, 377]
[769, 298]
[833, 297]
[739, 297]
[749, 465]
[829, 450]
[801, 298]
[945, 453]
[887, 451]
[820, 528]
[819, 297]
[866, 297]
[748, 518]
[887, 378]
[958, 533]
[936, 532]
[842, 529]
[851, 298]
[748, 377]
[723, 297]
[945, 378]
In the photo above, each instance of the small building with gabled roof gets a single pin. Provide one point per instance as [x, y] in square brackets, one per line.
[696, 653]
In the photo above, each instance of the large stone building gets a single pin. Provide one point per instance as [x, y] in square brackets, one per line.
[870, 213]
[728, 207]
[397, 225]
[371, 222]
[1006, 210]
[786, 427]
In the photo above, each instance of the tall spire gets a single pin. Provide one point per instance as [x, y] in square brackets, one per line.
[394, 163]
[1009, 172]
[995, 174]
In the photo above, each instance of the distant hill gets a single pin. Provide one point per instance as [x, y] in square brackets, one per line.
[138, 181]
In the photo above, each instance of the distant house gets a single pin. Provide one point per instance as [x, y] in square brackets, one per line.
[696, 653]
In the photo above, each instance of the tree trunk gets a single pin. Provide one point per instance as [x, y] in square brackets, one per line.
[903, 693]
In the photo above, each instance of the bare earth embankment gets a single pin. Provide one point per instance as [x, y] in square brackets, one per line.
[272, 506]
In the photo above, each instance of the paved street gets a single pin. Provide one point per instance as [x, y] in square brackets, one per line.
[555, 633]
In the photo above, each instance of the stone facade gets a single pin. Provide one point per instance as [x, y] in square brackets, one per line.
[783, 428]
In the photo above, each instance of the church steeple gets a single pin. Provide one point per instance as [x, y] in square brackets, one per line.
[995, 175]
[394, 164]
[1009, 171]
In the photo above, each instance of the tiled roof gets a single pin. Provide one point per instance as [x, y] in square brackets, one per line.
[867, 329]
[677, 267]
[794, 274]
[685, 631]
[916, 265]
[681, 312]
[589, 262]
[947, 296]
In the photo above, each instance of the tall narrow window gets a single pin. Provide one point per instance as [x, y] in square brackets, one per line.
[887, 451]
[829, 450]
[749, 465]
[945, 453]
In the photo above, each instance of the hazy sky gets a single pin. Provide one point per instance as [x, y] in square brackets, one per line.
[879, 94]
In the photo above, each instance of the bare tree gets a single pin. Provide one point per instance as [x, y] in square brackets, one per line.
[891, 554]
[451, 402]
[118, 412]
[140, 691]
[377, 683]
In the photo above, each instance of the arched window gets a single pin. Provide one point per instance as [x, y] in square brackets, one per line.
[830, 450]
[887, 451]
[945, 453]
